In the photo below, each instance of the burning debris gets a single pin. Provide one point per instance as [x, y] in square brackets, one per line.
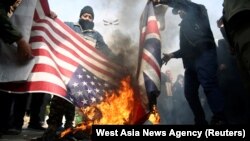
[117, 109]
[154, 116]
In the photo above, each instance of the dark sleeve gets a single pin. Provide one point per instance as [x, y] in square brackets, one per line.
[9, 33]
[103, 47]
[182, 4]
[178, 54]
[223, 52]
[175, 3]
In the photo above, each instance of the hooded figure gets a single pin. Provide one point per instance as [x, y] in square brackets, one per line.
[86, 18]
[87, 9]
[85, 27]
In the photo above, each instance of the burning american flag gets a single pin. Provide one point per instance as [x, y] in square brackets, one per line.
[71, 67]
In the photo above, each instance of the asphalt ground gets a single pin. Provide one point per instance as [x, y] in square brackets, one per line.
[26, 135]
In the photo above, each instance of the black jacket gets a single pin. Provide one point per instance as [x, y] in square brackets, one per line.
[8, 33]
[195, 32]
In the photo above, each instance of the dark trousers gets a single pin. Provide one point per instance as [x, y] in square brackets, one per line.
[242, 42]
[13, 107]
[5, 109]
[35, 108]
[59, 107]
[204, 72]
[19, 109]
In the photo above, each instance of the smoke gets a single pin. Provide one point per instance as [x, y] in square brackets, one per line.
[123, 39]
[170, 42]
[125, 49]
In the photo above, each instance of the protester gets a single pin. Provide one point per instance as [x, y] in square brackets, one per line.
[34, 111]
[13, 106]
[165, 100]
[9, 34]
[182, 113]
[198, 52]
[85, 27]
[237, 26]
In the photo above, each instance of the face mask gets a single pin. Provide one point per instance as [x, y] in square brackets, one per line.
[86, 24]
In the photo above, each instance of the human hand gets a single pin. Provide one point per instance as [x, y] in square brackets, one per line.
[52, 15]
[166, 58]
[222, 67]
[24, 50]
[220, 23]
[155, 2]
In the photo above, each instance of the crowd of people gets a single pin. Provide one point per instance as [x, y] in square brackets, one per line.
[198, 51]
[222, 70]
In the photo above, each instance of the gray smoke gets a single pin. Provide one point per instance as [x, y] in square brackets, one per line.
[125, 49]
[124, 39]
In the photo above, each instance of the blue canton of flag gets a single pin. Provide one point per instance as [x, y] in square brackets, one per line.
[85, 89]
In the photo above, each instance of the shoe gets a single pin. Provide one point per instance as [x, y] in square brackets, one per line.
[81, 135]
[200, 122]
[14, 131]
[218, 122]
[48, 135]
[218, 119]
[36, 127]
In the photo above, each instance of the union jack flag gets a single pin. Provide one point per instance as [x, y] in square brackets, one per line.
[71, 67]
[149, 66]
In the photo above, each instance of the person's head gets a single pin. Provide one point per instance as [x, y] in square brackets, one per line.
[180, 10]
[86, 18]
[87, 13]
[180, 79]
[169, 75]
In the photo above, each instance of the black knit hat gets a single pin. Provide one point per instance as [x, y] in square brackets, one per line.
[87, 9]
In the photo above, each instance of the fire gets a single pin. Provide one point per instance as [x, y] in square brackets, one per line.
[154, 116]
[118, 108]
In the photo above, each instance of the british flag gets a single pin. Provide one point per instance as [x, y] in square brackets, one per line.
[149, 66]
[71, 67]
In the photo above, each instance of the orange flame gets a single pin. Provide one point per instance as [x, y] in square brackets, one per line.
[154, 117]
[118, 108]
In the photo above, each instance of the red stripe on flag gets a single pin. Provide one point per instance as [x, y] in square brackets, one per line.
[36, 16]
[45, 7]
[45, 68]
[35, 86]
[152, 27]
[56, 53]
[87, 45]
[90, 64]
[63, 70]
[153, 65]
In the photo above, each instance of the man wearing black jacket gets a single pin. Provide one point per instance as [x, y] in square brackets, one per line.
[198, 52]
[237, 26]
